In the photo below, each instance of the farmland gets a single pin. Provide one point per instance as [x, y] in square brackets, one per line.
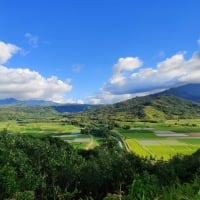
[68, 133]
[162, 141]
[155, 140]
[37, 128]
[24, 145]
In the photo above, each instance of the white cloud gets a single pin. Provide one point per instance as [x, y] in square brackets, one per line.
[171, 72]
[6, 51]
[26, 84]
[33, 40]
[123, 66]
[106, 98]
[127, 64]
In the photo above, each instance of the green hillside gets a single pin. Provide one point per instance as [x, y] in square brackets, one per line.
[148, 108]
[27, 112]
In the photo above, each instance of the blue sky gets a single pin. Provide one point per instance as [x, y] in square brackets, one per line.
[97, 51]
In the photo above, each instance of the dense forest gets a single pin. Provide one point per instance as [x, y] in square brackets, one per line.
[48, 168]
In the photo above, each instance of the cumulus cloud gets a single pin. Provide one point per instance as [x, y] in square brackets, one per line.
[33, 40]
[123, 66]
[25, 84]
[6, 51]
[140, 81]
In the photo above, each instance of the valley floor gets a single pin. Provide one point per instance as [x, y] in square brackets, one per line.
[155, 140]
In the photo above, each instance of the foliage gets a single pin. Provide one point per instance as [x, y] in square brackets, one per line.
[48, 168]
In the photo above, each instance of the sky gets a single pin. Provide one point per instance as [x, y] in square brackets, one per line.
[97, 51]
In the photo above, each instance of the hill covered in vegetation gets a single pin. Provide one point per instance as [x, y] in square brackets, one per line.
[59, 107]
[27, 112]
[155, 107]
[189, 92]
[149, 108]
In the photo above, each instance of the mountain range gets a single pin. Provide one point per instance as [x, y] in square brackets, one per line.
[175, 96]
[177, 103]
[190, 92]
[61, 108]
[14, 102]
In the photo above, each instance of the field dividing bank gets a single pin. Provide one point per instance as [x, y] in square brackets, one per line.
[160, 144]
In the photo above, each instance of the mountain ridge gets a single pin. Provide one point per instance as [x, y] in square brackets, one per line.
[147, 107]
[190, 92]
[153, 108]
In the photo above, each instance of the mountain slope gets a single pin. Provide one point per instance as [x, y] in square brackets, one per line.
[27, 112]
[61, 108]
[150, 108]
[7, 101]
[12, 102]
[190, 92]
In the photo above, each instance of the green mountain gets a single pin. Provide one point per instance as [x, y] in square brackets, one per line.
[12, 102]
[190, 92]
[174, 103]
[27, 112]
[61, 108]
[149, 108]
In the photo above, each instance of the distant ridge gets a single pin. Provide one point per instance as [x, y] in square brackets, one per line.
[176, 103]
[61, 108]
[152, 108]
[8, 101]
[74, 108]
[139, 107]
[14, 102]
[190, 92]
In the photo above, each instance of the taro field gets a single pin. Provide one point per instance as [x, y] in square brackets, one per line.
[160, 144]
[67, 133]
[80, 141]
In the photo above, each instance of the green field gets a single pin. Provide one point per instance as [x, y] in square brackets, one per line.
[180, 125]
[38, 128]
[160, 144]
[68, 133]
[158, 140]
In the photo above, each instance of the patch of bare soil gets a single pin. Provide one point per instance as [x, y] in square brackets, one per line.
[194, 134]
